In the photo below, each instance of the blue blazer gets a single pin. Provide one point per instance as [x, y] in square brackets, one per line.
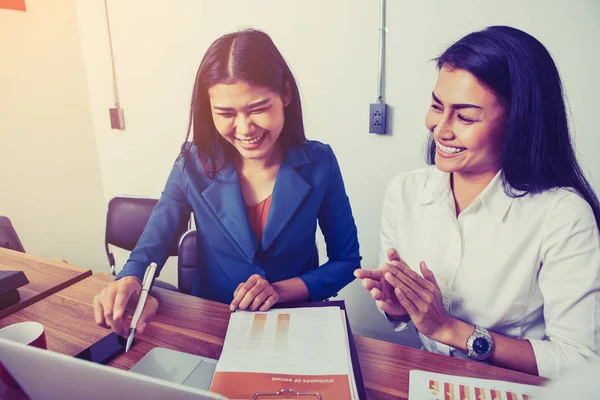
[308, 188]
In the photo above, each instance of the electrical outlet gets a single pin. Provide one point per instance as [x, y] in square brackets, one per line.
[117, 118]
[378, 118]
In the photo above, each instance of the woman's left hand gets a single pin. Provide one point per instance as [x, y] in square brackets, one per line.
[421, 298]
[254, 294]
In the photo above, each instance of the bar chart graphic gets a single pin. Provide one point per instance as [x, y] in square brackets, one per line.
[480, 394]
[282, 328]
[464, 392]
[434, 386]
[449, 391]
[431, 386]
[257, 331]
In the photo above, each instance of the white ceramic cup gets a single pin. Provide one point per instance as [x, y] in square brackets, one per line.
[29, 333]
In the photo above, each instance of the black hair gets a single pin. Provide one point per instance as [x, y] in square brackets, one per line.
[251, 56]
[537, 153]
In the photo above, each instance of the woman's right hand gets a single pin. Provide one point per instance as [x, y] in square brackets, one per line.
[380, 289]
[116, 301]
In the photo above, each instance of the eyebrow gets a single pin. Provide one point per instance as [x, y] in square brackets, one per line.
[455, 106]
[251, 105]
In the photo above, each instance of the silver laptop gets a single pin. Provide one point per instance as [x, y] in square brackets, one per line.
[44, 374]
[177, 367]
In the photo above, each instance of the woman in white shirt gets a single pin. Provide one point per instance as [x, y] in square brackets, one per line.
[503, 226]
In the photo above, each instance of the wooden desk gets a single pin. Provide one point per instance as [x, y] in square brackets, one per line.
[385, 368]
[45, 277]
[198, 326]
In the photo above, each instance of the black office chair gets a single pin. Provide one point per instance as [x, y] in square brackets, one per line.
[188, 257]
[125, 221]
[186, 261]
[8, 236]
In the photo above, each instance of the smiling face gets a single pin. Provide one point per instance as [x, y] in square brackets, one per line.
[467, 122]
[248, 116]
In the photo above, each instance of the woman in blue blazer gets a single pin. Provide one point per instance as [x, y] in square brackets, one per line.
[256, 187]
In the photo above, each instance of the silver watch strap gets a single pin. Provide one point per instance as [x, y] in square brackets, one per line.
[482, 333]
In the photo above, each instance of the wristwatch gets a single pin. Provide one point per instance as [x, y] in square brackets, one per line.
[480, 344]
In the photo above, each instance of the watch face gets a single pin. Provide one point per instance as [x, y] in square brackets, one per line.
[481, 346]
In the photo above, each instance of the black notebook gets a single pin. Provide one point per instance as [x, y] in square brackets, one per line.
[10, 281]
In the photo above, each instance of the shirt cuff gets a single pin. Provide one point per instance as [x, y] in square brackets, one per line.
[396, 325]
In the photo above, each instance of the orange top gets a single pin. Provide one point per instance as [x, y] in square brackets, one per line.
[257, 215]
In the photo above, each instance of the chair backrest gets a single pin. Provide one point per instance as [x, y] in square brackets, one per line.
[186, 261]
[188, 258]
[8, 236]
[125, 221]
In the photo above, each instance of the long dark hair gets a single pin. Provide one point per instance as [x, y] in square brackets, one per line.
[537, 153]
[251, 56]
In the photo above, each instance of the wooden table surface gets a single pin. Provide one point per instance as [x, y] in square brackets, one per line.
[45, 277]
[198, 326]
[385, 368]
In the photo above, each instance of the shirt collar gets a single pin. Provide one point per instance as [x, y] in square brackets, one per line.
[436, 185]
[493, 197]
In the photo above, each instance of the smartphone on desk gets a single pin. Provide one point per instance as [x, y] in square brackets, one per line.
[104, 350]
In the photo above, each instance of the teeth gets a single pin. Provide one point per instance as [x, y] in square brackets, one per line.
[446, 149]
[253, 140]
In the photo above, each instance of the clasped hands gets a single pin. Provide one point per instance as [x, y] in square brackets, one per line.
[256, 293]
[402, 293]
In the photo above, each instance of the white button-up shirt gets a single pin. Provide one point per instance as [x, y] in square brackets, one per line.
[525, 267]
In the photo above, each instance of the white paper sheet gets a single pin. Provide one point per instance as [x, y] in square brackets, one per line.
[310, 341]
[425, 385]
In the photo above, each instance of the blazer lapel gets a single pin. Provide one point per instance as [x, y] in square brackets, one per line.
[289, 192]
[225, 199]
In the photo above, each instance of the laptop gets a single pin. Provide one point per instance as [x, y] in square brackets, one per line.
[177, 367]
[44, 374]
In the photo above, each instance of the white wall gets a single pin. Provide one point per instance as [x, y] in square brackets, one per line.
[332, 47]
[49, 172]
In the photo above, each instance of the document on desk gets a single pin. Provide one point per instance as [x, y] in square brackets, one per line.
[424, 385]
[302, 349]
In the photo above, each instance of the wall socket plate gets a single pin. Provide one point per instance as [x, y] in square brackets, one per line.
[117, 118]
[378, 118]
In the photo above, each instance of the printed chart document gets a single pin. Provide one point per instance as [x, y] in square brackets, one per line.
[425, 385]
[301, 349]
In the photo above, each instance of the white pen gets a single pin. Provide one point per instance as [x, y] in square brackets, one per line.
[146, 283]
